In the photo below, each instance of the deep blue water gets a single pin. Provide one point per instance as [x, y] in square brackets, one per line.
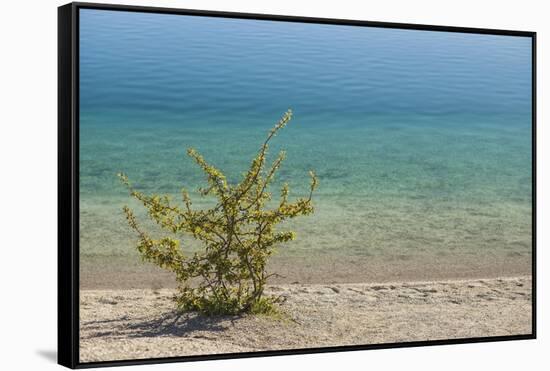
[421, 139]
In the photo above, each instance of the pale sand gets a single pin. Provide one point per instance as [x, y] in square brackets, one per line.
[141, 323]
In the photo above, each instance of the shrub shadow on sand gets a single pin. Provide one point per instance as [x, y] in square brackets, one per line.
[169, 324]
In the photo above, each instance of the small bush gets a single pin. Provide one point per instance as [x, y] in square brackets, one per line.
[239, 235]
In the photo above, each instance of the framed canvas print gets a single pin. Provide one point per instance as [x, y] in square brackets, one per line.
[237, 185]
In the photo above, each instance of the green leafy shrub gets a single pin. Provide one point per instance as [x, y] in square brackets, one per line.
[239, 235]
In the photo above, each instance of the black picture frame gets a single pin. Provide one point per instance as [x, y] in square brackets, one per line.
[68, 180]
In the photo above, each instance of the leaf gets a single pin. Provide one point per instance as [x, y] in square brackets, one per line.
[238, 234]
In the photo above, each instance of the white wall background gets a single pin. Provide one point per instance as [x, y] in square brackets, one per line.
[28, 155]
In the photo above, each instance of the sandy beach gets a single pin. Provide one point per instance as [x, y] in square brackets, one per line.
[422, 222]
[129, 272]
[141, 323]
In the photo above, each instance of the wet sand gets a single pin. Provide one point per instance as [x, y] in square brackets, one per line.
[125, 272]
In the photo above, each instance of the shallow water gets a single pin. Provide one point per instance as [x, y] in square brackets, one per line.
[421, 140]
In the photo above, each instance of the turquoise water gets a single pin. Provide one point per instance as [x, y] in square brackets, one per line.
[421, 139]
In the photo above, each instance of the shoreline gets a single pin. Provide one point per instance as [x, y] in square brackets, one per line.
[142, 323]
[123, 272]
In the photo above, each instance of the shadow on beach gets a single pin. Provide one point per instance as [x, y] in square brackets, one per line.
[169, 324]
